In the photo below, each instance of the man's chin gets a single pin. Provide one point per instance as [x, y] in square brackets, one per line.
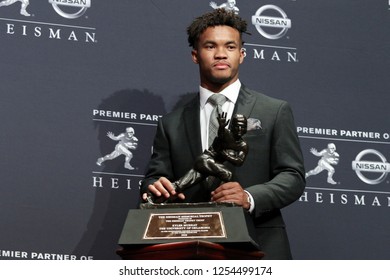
[222, 80]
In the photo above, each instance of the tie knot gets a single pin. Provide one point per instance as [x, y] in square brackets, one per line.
[217, 99]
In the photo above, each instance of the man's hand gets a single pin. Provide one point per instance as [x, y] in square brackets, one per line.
[231, 192]
[162, 187]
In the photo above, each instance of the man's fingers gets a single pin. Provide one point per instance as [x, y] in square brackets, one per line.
[229, 192]
[162, 187]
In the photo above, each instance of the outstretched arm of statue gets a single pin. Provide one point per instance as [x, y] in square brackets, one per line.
[222, 122]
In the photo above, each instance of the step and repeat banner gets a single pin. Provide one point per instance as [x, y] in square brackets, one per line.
[84, 82]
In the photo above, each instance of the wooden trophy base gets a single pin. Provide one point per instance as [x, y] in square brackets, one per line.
[188, 250]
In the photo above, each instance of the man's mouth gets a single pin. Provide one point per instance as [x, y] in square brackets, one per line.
[221, 65]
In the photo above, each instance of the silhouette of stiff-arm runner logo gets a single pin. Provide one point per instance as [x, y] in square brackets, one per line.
[329, 157]
[23, 8]
[229, 5]
[127, 142]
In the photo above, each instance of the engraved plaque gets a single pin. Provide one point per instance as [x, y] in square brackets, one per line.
[185, 225]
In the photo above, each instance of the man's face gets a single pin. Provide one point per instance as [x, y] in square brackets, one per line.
[219, 55]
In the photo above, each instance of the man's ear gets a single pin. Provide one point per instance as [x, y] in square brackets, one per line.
[242, 55]
[194, 54]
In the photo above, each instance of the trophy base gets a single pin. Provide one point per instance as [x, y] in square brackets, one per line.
[220, 223]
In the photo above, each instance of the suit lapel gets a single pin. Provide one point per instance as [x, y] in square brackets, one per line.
[245, 102]
[192, 127]
[244, 105]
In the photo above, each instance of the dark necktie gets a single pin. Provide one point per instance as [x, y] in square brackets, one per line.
[217, 100]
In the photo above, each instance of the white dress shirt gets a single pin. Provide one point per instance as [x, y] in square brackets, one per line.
[231, 93]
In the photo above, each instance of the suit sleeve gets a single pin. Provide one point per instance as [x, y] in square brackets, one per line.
[287, 179]
[160, 163]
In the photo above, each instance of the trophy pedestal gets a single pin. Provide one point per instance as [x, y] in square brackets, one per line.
[200, 230]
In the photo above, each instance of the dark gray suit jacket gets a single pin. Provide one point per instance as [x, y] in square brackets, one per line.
[273, 171]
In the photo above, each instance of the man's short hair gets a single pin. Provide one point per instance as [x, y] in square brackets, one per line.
[217, 17]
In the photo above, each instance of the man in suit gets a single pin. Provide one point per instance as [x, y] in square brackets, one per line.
[272, 175]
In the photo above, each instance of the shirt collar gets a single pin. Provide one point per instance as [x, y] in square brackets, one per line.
[231, 93]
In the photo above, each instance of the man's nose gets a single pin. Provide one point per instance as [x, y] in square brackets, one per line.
[220, 53]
